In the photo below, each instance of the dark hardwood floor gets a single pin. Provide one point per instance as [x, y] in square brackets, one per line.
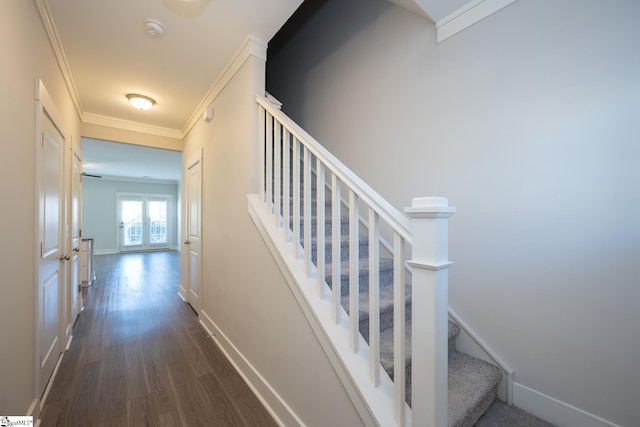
[140, 358]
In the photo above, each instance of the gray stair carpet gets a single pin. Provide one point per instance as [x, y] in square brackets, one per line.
[500, 414]
[472, 382]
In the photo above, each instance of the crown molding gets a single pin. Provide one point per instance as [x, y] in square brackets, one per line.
[468, 15]
[97, 119]
[132, 179]
[58, 51]
[252, 46]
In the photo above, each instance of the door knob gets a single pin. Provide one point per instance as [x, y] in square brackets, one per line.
[64, 258]
[186, 242]
[76, 249]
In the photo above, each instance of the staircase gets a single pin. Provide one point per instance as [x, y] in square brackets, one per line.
[307, 202]
[472, 382]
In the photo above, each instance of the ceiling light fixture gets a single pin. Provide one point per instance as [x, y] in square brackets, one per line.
[154, 27]
[141, 102]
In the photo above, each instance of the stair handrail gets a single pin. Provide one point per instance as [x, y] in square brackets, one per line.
[424, 229]
[399, 222]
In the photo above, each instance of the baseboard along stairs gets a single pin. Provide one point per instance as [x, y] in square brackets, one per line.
[472, 383]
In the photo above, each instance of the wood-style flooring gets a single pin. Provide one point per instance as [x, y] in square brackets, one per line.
[140, 358]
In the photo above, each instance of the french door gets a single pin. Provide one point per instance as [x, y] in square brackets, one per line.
[144, 222]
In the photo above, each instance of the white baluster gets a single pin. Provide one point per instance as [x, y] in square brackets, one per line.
[336, 248]
[399, 319]
[277, 168]
[308, 266]
[296, 197]
[262, 157]
[354, 272]
[374, 297]
[286, 185]
[429, 310]
[320, 227]
[269, 163]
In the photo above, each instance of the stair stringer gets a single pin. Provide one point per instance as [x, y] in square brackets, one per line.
[374, 404]
[469, 342]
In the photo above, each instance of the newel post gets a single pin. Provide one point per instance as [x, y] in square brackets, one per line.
[430, 306]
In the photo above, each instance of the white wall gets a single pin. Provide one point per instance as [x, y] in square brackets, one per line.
[25, 54]
[528, 123]
[244, 297]
[100, 206]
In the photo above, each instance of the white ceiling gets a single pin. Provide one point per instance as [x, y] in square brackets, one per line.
[112, 159]
[110, 53]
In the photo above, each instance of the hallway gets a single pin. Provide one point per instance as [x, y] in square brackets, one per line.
[140, 358]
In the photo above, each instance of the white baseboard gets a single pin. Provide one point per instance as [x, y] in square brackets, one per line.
[555, 411]
[182, 293]
[32, 409]
[66, 348]
[105, 251]
[271, 400]
[468, 341]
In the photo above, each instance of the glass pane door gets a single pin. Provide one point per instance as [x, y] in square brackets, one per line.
[131, 223]
[144, 221]
[157, 211]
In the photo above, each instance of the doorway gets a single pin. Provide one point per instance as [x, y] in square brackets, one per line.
[144, 222]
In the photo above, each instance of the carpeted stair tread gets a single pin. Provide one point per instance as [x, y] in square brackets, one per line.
[472, 388]
[386, 345]
[500, 414]
[363, 244]
[386, 269]
[328, 226]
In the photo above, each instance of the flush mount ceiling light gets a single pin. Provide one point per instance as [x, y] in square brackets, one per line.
[141, 102]
[154, 27]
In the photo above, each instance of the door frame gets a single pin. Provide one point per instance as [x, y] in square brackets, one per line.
[145, 198]
[44, 105]
[75, 211]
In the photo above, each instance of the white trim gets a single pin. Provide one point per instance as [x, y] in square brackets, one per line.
[69, 329]
[47, 389]
[104, 251]
[468, 15]
[505, 388]
[182, 293]
[145, 198]
[252, 46]
[58, 51]
[133, 179]
[32, 408]
[113, 122]
[374, 405]
[553, 410]
[272, 401]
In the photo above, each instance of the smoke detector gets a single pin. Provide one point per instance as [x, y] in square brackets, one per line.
[154, 27]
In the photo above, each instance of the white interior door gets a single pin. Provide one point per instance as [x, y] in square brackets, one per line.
[52, 261]
[194, 231]
[76, 192]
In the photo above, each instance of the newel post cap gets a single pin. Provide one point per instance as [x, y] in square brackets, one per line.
[428, 206]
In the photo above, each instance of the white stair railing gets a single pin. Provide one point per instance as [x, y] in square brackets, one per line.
[291, 162]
